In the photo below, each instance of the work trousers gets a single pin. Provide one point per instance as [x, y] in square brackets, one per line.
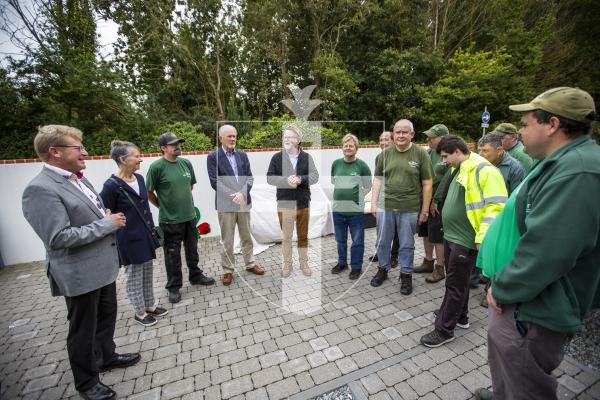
[455, 306]
[521, 363]
[175, 234]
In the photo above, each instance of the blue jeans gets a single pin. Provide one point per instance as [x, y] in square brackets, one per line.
[405, 224]
[356, 225]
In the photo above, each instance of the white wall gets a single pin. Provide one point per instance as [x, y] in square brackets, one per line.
[19, 243]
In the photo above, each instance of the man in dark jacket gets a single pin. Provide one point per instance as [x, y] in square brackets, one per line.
[550, 277]
[292, 171]
[231, 178]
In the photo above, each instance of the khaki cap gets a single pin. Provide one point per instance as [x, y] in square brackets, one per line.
[437, 131]
[571, 103]
[506, 129]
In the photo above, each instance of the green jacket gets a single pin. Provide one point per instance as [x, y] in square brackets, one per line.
[512, 171]
[522, 157]
[554, 276]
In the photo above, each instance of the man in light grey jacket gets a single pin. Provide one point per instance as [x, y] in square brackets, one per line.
[82, 262]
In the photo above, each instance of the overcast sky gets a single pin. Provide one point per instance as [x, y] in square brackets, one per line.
[107, 35]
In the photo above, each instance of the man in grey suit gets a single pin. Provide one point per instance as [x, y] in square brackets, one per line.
[82, 262]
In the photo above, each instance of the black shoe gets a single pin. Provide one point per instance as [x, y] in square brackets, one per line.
[98, 392]
[158, 312]
[374, 258]
[405, 283]
[379, 277]
[148, 320]
[202, 279]
[339, 268]
[394, 261]
[121, 361]
[355, 274]
[435, 339]
[174, 296]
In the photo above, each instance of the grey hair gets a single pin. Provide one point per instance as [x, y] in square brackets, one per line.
[493, 139]
[224, 128]
[120, 149]
[412, 128]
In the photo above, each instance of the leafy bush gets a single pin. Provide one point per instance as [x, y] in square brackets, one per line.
[195, 140]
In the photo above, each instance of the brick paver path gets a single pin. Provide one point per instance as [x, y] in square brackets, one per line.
[231, 342]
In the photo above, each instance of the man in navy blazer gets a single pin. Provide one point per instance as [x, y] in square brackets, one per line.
[82, 263]
[231, 178]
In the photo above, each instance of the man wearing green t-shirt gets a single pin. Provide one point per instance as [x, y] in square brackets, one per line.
[351, 179]
[476, 194]
[404, 173]
[172, 178]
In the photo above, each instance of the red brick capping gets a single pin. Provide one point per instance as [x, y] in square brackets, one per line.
[195, 153]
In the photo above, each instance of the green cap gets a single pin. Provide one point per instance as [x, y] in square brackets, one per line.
[506, 129]
[437, 130]
[571, 103]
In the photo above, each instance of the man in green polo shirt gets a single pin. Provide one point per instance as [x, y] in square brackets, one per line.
[170, 180]
[351, 178]
[404, 173]
[512, 144]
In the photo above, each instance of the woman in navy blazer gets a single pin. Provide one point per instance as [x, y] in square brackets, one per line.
[134, 241]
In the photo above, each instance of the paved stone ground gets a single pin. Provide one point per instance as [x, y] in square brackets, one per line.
[236, 342]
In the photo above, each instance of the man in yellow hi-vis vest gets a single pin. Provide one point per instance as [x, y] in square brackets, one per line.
[476, 193]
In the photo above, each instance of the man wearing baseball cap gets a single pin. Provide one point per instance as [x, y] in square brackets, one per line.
[512, 144]
[172, 178]
[542, 253]
[431, 230]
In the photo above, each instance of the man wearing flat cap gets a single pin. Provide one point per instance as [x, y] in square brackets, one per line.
[512, 145]
[431, 230]
[170, 180]
[542, 253]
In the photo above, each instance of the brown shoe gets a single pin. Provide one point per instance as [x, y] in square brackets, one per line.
[256, 270]
[227, 278]
[425, 267]
[306, 270]
[437, 274]
[286, 271]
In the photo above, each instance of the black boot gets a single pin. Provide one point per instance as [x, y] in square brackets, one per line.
[379, 277]
[405, 283]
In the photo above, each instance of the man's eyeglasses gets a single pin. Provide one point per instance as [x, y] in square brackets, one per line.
[80, 148]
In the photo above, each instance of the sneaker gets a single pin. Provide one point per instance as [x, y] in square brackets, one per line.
[339, 268]
[374, 258]
[425, 267]
[158, 312]
[355, 274]
[435, 339]
[483, 394]
[379, 277]
[148, 320]
[406, 287]
[174, 296]
[202, 279]
[462, 323]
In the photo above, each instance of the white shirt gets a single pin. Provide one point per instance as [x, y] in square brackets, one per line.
[75, 182]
